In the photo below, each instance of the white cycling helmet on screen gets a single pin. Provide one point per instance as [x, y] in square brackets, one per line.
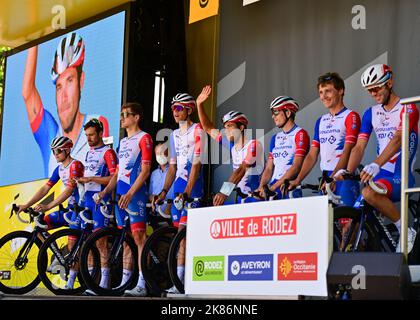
[376, 75]
[70, 53]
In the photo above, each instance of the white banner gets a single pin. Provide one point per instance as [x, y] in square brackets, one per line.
[276, 248]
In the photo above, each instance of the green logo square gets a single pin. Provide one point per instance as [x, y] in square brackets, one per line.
[210, 268]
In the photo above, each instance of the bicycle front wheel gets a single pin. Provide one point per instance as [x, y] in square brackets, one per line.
[108, 249]
[176, 249]
[154, 260]
[55, 260]
[18, 267]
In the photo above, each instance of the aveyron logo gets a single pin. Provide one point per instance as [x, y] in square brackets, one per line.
[203, 3]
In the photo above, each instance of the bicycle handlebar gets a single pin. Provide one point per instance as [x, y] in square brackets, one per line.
[372, 184]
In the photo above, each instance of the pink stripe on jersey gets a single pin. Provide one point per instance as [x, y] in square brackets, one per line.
[302, 143]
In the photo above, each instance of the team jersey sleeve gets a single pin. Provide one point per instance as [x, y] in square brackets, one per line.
[105, 125]
[315, 141]
[413, 118]
[272, 145]
[44, 129]
[352, 124]
[111, 161]
[54, 178]
[146, 147]
[302, 143]
[366, 128]
[199, 140]
[76, 171]
[172, 150]
[254, 150]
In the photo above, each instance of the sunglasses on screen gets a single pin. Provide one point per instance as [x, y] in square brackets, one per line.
[178, 107]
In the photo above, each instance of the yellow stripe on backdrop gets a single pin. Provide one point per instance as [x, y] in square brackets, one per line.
[202, 9]
[25, 191]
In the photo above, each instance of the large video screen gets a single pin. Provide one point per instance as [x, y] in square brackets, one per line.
[53, 89]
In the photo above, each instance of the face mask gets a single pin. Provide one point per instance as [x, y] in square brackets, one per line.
[162, 160]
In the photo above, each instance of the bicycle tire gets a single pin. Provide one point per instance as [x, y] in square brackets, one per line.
[115, 275]
[27, 277]
[173, 259]
[53, 280]
[156, 247]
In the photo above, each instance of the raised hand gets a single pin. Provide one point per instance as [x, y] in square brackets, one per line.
[203, 96]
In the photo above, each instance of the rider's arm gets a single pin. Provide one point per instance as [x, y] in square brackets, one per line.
[30, 93]
[357, 153]
[352, 124]
[61, 198]
[312, 156]
[112, 183]
[76, 171]
[206, 123]
[308, 163]
[268, 172]
[42, 192]
[291, 173]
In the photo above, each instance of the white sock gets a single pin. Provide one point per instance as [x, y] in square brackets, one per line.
[398, 225]
[104, 277]
[90, 269]
[180, 272]
[126, 276]
[72, 278]
[141, 283]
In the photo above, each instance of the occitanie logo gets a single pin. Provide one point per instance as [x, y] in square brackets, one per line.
[285, 267]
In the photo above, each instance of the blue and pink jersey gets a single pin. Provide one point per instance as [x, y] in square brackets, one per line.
[385, 124]
[99, 162]
[133, 152]
[332, 132]
[284, 147]
[184, 147]
[45, 128]
[250, 154]
[66, 174]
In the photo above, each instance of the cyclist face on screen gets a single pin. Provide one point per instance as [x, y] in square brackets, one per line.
[94, 138]
[67, 95]
[330, 96]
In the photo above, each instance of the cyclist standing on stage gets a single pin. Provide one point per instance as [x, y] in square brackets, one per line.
[288, 147]
[385, 119]
[247, 155]
[135, 157]
[335, 136]
[68, 171]
[185, 168]
[100, 165]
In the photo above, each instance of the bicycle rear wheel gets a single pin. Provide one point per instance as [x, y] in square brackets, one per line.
[154, 259]
[18, 272]
[173, 259]
[369, 237]
[55, 261]
[102, 249]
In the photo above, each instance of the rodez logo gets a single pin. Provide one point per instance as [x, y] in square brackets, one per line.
[203, 3]
[199, 268]
[209, 268]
